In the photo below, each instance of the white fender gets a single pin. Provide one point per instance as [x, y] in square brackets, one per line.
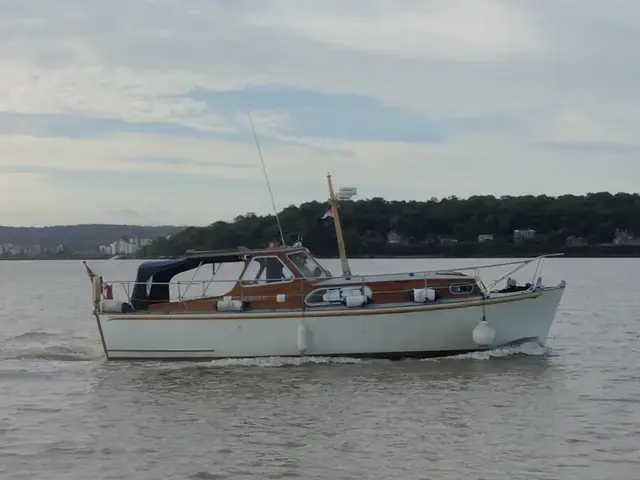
[355, 301]
[227, 304]
[338, 294]
[423, 295]
[302, 338]
[483, 335]
[112, 306]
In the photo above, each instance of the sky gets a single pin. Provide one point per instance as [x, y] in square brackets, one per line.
[137, 111]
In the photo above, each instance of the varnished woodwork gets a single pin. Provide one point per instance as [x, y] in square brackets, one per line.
[264, 296]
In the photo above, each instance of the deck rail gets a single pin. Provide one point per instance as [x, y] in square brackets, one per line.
[180, 288]
[414, 273]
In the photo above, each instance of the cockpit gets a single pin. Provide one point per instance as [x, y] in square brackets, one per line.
[270, 266]
[274, 267]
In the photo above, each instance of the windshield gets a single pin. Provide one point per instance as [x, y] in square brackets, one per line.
[308, 266]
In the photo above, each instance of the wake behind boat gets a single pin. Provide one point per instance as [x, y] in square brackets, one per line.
[285, 303]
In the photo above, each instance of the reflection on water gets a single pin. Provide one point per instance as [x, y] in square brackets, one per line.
[567, 411]
[321, 420]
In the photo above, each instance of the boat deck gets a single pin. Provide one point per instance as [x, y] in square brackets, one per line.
[340, 310]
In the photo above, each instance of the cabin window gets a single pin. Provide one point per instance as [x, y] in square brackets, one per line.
[308, 266]
[461, 288]
[265, 270]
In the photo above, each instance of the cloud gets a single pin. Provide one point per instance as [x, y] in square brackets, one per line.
[327, 115]
[604, 125]
[80, 126]
[145, 102]
[462, 30]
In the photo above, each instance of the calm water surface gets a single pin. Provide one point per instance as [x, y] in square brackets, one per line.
[570, 411]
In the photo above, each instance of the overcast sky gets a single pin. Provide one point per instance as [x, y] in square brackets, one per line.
[135, 111]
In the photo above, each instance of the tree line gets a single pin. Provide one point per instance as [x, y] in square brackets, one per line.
[422, 226]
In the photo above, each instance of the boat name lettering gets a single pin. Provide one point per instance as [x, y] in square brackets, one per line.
[253, 299]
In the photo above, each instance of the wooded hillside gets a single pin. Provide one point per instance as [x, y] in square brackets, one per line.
[427, 227]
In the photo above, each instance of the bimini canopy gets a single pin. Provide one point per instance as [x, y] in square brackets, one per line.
[165, 269]
[160, 272]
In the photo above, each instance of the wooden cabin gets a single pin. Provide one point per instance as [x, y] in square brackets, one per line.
[290, 278]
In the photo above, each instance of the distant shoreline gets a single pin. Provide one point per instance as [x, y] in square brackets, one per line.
[565, 254]
[40, 259]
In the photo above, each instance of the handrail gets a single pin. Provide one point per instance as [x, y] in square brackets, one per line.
[300, 297]
[352, 281]
[415, 273]
[463, 281]
[463, 269]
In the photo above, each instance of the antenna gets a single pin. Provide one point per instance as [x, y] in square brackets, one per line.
[264, 169]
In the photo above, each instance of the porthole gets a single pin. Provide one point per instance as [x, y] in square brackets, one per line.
[461, 288]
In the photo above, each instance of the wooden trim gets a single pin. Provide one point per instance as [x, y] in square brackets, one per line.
[343, 312]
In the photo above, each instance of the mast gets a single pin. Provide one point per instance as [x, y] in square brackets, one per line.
[346, 270]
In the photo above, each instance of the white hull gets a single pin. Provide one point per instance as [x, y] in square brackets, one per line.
[415, 331]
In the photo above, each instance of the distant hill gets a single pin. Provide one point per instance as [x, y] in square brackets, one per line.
[80, 237]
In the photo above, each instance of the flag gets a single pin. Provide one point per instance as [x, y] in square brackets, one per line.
[328, 213]
[107, 290]
[89, 271]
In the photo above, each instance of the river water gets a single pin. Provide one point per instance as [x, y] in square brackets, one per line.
[568, 411]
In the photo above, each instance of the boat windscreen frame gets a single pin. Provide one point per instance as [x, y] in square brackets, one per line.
[309, 257]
